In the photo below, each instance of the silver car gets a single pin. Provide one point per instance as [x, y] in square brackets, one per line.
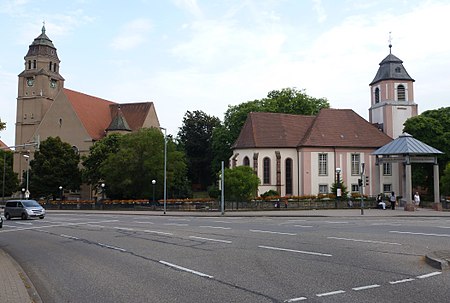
[23, 209]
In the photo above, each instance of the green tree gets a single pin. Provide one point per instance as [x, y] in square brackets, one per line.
[98, 153]
[128, 173]
[241, 183]
[433, 128]
[195, 136]
[2, 125]
[54, 165]
[286, 100]
[445, 181]
[11, 178]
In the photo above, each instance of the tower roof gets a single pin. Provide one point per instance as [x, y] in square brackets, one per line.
[391, 68]
[119, 123]
[43, 39]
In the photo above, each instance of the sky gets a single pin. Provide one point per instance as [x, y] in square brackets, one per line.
[188, 55]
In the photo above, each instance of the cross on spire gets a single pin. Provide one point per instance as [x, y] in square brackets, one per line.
[390, 43]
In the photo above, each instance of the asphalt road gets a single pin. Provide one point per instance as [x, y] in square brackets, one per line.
[126, 258]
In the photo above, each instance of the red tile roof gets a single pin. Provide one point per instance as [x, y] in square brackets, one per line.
[93, 112]
[330, 128]
[3, 145]
[134, 113]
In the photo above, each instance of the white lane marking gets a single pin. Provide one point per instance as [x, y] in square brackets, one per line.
[178, 219]
[429, 275]
[271, 232]
[216, 227]
[186, 269]
[401, 281]
[70, 237]
[296, 299]
[111, 247]
[419, 234]
[443, 226]
[176, 224]
[144, 222]
[299, 220]
[209, 239]
[96, 225]
[386, 224]
[124, 228]
[226, 222]
[58, 225]
[158, 232]
[336, 222]
[24, 223]
[365, 241]
[303, 225]
[366, 287]
[296, 251]
[331, 293]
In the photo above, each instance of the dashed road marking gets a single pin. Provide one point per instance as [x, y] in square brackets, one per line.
[272, 232]
[209, 239]
[186, 269]
[429, 275]
[419, 234]
[365, 241]
[296, 251]
[366, 287]
[331, 293]
[401, 281]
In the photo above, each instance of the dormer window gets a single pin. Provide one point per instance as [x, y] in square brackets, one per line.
[398, 70]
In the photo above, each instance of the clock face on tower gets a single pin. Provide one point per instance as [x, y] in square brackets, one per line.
[30, 81]
[53, 83]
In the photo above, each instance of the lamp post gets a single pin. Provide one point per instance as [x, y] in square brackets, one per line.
[4, 175]
[60, 193]
[103, 191]
[165, 168]
[23, 193]
[153, 183]
[27, 158]
[338, 186]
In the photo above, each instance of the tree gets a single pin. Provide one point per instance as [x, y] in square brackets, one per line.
[11, 178]
[287, 100]
[195, 136]
[433, 128]
[241, 183]
[139, 159]
[98, 153]
[445, 181]
[54, 165]
[2, 125]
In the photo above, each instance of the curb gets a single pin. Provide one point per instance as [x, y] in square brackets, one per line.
[438, 259]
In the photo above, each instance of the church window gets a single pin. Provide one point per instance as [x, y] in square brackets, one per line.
[50, 66]
[34, 63]
[355, 188]
[377, 95]
[31, 116]
[401, 93]
[75, 149]
[54, 67]
[387, 188]
[29, 64]
[323, 189]
[60, 122]
[398, 70]
[387, 169]
[355, 164]
[288, 176]
[266, 170]
[323, 163]
[24, 116]
[246, 161]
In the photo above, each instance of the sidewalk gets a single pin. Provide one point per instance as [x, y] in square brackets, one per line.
[15, 286]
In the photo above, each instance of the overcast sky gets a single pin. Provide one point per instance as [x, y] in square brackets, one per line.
[187, 55]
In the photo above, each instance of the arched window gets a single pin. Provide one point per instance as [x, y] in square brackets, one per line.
[288, 176]
[50, 66]
[29, 64]
[266, 170]
[377, 95]
[401, 93]
[54, 67]
[34, 63]
[246, 161]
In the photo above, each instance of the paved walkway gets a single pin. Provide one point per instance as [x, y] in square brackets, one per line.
[15, 286]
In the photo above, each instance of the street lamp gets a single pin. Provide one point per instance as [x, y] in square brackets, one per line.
[23, 193]
[60, 193]
[338, 186]
[165, 168]
[27, 158]
[103, 191]
[154, 183]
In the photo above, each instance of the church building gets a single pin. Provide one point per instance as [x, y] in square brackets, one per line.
[45, 108]
[299, 155]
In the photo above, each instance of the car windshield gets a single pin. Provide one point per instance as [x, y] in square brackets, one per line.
[30, 203]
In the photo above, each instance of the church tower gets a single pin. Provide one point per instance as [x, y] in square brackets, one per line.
[392, 96]
[39, 84]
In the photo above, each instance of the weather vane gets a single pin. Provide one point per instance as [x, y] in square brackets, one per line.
[390, 42]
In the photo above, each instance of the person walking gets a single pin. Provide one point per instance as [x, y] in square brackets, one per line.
[416, 200]
[393, 200]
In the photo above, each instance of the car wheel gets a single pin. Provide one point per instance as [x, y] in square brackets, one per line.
[41, 217]
[7, 216]
[24, 216]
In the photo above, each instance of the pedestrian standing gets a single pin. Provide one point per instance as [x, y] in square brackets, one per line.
[416, 200]
[393, 200]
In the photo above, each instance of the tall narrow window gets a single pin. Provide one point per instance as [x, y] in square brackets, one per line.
[377, 95]
[34, 63]
[29, 64]
[50, 66]
[323, 164]
[266, 169]
[288, 176]
[401, 93]
[246, 161]
[355, 164]
[54, 67]
[387, 169]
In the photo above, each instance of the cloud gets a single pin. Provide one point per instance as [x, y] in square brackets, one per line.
[190, 6]
[320, 10]
[132, 34]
